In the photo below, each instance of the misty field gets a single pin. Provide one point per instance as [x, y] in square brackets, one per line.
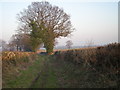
[77, 68]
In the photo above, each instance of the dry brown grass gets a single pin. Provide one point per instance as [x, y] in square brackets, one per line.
[14, 55]
[38, 51]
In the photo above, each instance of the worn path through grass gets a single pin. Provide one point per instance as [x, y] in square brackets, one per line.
[50, 72]
[64, 74]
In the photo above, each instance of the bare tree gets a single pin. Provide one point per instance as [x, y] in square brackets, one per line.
[3, 45]
[21, 42]
[15, 42]
[44, 21]
[69, 44]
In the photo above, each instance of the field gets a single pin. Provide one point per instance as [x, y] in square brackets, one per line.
[77, 68]
[39, 51]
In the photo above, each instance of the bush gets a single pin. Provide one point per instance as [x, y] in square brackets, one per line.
[11, 60]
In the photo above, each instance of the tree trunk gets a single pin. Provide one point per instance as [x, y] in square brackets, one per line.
[49, 50]
[17, 47]
[49, 45]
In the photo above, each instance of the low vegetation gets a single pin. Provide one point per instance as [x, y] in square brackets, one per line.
[77, 68]
[14, 62]
[103, 60]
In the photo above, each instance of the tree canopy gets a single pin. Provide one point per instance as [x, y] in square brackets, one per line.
[44, 22]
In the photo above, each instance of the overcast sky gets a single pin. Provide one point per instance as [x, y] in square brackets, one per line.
[96, 20]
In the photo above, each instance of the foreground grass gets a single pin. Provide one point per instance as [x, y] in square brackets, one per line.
[25, 77]
[49, 72]
[47, 77]
[64, 74]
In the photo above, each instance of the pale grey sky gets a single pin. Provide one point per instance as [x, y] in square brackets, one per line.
[93, 20]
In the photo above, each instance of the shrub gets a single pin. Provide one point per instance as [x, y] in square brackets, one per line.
[10, 60]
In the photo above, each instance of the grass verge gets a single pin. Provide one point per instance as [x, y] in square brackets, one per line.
[25, 77]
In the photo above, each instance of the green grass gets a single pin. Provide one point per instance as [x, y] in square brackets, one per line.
[47, 78]
[64, 74]
[53, 73]
[26, 77]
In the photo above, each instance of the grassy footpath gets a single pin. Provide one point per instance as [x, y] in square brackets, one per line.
[64, 74]
[47, 77]
[48, 72]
